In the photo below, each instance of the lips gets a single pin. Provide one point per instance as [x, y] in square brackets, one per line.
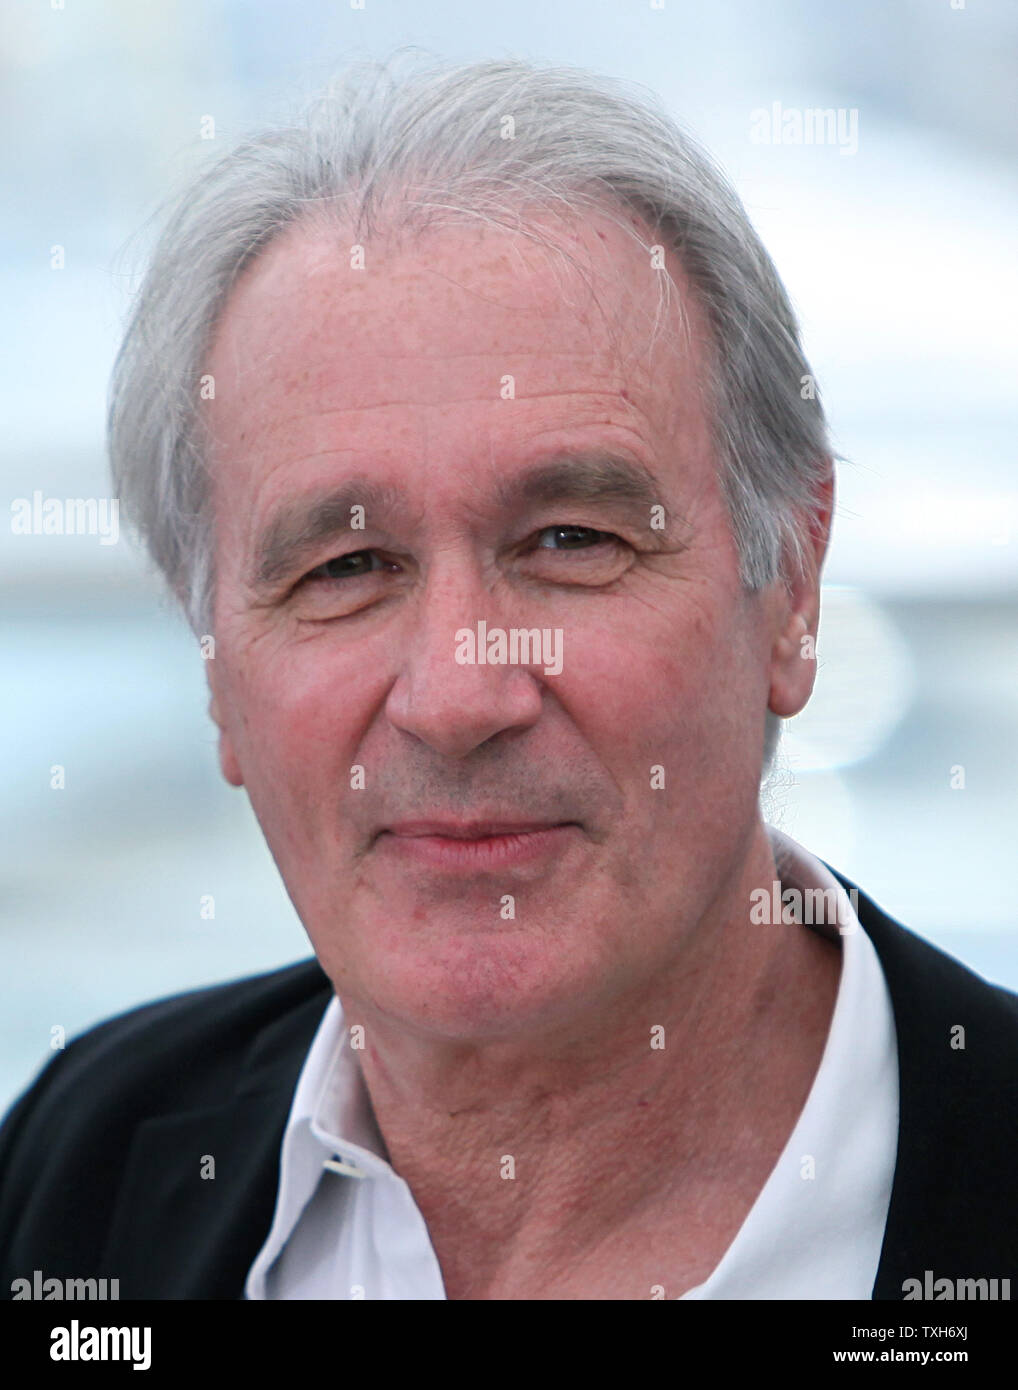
[479, 846]
[469, 830]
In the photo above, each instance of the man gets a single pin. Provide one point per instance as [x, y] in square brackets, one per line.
[468, 419]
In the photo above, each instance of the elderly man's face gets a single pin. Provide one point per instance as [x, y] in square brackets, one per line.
[515, 450]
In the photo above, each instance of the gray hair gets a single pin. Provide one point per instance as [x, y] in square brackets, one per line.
[425, 143]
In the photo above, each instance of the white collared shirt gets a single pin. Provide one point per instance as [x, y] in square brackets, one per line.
[815, 1230]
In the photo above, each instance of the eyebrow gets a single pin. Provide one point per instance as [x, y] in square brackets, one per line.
[588, 476]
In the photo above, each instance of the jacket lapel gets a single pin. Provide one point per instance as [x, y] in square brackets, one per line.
[954, 1195]
[177, 1234]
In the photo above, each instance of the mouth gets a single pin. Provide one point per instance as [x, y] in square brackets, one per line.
[476, 845]
[470, 830]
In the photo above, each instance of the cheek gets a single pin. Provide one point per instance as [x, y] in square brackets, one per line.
[671, 707]
[654, 684]
[301, 712]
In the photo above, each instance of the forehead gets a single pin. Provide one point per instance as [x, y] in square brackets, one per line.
[444, 320]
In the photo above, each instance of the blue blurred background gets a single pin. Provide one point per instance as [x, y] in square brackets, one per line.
[899, 254]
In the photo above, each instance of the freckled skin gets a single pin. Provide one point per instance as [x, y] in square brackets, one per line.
[527, 1036]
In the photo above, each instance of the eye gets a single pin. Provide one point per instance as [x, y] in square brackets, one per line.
[350, 566]
[571, 555]
[575, 537]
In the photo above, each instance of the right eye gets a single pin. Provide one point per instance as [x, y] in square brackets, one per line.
[350, 566]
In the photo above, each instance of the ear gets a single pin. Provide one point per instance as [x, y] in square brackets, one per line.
[793, 655]
[228, 761]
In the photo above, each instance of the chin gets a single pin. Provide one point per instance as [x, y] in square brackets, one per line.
[476, 986]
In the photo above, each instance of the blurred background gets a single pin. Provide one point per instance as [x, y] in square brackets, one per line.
[896, 239]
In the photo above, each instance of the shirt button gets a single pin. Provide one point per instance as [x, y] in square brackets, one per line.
[336, 1164]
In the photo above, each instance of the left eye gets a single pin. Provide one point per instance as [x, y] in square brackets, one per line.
[574, 537]
[350, 566]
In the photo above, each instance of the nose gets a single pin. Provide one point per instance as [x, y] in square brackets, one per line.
[452, 705]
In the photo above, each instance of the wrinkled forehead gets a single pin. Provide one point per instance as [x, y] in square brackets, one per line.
[455, 313]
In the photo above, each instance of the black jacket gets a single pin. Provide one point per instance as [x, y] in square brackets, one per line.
[100, 1159]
